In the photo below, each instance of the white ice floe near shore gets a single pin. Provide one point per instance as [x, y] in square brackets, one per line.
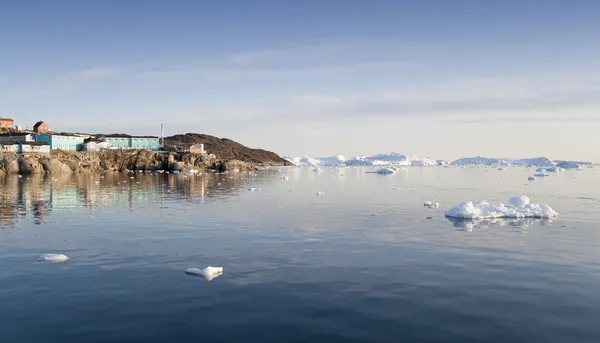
[516, 207]
[430, 204]
[208, 273]
[53, 258]
[541, 173]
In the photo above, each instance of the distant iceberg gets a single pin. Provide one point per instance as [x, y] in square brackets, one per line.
[536, 162]
[569, 165]
[516, 207]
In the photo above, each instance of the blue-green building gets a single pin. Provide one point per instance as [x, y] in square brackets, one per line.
[132, 142]
[61, 141]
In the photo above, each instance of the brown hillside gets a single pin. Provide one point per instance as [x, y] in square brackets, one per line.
[225, 149]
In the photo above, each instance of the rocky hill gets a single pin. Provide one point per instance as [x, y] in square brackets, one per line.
[226, 149]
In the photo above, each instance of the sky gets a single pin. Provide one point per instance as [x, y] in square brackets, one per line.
[429, 78]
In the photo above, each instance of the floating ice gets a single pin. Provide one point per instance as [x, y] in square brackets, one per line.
[320, 193]
[55, 258]
[517, 207]
[569, 165]
[430, 204]
[383, 171]
[541, 173]
[531, 178]
[208, 273]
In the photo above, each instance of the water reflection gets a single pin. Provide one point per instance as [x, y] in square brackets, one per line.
[38, 196]
[470, 224]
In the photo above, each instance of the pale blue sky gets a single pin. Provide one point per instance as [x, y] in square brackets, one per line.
[442, 79]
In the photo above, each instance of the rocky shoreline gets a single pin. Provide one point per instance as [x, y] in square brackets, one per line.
[63, 162]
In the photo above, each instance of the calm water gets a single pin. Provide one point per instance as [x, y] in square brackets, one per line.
[362, 263]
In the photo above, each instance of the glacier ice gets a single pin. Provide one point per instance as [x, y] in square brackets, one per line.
[516, 207]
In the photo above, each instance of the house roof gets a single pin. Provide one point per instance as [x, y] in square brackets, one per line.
[14, 134]
[123, 135]
[34, 143]
[38, 124]
[8, 143]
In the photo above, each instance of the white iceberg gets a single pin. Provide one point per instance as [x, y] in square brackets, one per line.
[517, 207]
[569, 165]
[208, 273]
[537, 161]
[55, 258]
[430, 204]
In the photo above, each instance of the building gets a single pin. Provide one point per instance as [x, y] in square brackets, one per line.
[34, 147]
[132, 142]
[197, 149]
[9, 146]
[63, 141]
[95, 145]
[41, 127]
[21, 137]
[7, 122]
[24, 147]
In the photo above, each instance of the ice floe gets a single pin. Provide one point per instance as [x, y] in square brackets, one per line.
[531, 178]
[541, 173]
[53, 258]
[516, 207]
[208, 273]
[430, 204]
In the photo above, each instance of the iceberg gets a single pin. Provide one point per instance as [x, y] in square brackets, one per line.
[332, 161]
[516, 207]
[208, 273]
[536, 162]
[541, 173]
[55, 258]
[569, 165]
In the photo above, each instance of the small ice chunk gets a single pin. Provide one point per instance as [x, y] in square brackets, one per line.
[286, 178]
[531, 178]
[430, 204]
[541, 174]
[55, 258]
[208, 273]
[516, 207]
[320, 193]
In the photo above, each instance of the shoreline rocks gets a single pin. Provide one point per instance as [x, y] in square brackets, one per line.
[68, 162]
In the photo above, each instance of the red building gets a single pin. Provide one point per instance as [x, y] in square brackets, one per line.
[41, 127]
[6, 122]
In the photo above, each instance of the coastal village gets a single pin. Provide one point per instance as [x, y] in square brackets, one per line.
[42, 140]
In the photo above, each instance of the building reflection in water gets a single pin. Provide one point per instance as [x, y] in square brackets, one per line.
[37, 196]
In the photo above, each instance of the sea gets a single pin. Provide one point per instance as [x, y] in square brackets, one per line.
[333, 255]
